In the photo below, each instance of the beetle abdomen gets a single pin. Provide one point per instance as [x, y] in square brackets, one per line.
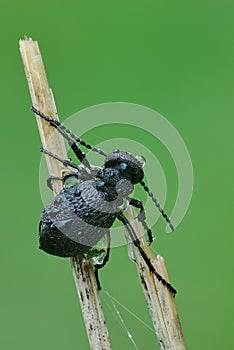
[75, 220]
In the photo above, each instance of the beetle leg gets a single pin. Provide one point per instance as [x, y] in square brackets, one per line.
[79, 154]
[50, 179]
[141, 217]
[105, 260]
[136, 242]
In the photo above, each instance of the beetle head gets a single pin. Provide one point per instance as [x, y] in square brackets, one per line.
[127, 164]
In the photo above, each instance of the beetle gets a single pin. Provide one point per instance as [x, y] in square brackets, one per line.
[91, 200]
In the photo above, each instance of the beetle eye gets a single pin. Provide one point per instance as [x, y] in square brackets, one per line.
[100, 184]
[122, 166]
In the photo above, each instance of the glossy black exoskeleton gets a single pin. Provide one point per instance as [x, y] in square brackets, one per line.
[91, 200]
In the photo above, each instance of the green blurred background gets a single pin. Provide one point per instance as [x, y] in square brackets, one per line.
[174, 57]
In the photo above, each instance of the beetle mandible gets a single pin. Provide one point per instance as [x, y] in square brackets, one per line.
[91, 200]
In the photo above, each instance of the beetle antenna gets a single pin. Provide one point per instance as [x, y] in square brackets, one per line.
[166, 217]
[61, 128]
[65, 162]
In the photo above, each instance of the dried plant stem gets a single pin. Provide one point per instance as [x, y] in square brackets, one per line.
[42, 99]
[160, 301]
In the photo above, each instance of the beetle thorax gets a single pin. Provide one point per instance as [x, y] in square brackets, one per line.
[114, 179]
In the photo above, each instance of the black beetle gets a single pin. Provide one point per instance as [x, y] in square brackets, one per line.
[92, 198]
